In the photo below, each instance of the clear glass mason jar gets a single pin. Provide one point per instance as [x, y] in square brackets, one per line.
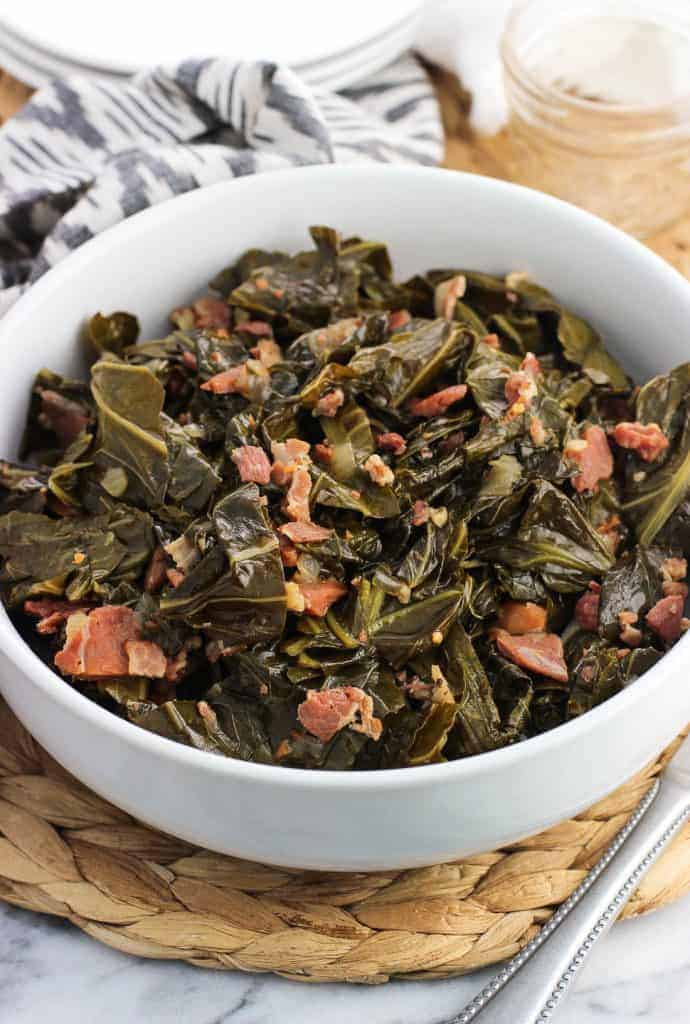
[598, 95]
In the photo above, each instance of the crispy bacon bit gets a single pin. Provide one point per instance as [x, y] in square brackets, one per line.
[492, 340]
[95, 646]
[189, 360]
[304, 533]
[326, 712]
[261, 284]
[593, 455]
[392, 442]
[318, 597]
[288, 455]
[630, 635]
[61, 415]
[537, 431]
[288, 551]
[379, 472]
[536, 652]
[530, 364]
[175, 577]
[436, 404]
[154, 577]
[674, 587]
[647, 439]
[519, 390]
[252, 463]
[610, 530]
[674, 569]
[587, 611]
[145, 659]
[268, 352]
[247, 380]
[665, 617]
[398, 318]
[329, 403]
[323, 452]
[258, 328]
[519, 617]
[421, 511]
[52, 612]
[297, 501]
[447, 293]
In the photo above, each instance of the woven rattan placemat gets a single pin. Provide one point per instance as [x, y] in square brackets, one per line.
[64, 851]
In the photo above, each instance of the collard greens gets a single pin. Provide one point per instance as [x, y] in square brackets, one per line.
[340, 522]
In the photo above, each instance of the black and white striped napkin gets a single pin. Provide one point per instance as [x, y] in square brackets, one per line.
[83, 154]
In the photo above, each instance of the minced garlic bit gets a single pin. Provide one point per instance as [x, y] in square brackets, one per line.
[439, 516]
[295, 599]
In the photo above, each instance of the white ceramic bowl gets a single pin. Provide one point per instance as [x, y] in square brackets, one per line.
[393, 819]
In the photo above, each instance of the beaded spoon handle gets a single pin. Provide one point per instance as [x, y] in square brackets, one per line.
[531, 986]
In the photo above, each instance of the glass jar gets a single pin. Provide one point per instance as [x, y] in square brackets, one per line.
[598, 96]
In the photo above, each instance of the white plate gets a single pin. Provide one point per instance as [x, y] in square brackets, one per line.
[130, 35]
[36, 67]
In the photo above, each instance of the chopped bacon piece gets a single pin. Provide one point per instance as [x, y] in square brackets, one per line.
[288, 456]
[398, 318]
[536, 430]
[647, 439]
[268, 352]
[95, 646]
[447, 293]
[297, 501]
[52, 612]
[536, 652]
[392, 442]
[518, 617]
[154, 577]
[329, 403]
[665, 617]
[145, 659]
[65, 417]
[189, 360]
[593, 455]
[674, 568]
[229, 382]
[530, 364]
[175, 577]
[318, 597]
[323, 452]
[519, 390]
[671, 587]
[258, 328]
[176, 667]
[326, 712]
[252, 463]
[288, 551]
[211, 312]
[378, 471]
[492, 340]
[421, 511]
[436, 404]
[247, 380]
[304, 533]
[587, 611]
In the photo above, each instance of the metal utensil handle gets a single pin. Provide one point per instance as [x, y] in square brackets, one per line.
[541, 973]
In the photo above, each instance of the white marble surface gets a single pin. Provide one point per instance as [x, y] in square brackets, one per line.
[50, 972]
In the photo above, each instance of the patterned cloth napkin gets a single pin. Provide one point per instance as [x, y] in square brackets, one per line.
[83, 154]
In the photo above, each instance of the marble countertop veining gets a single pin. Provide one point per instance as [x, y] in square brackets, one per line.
[50, 971]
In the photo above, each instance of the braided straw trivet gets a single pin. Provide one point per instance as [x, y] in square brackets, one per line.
[64, 851]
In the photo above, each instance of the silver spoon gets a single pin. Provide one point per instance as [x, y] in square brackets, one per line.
[531, 986]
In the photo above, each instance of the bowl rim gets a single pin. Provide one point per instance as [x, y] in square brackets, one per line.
[22, 656]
